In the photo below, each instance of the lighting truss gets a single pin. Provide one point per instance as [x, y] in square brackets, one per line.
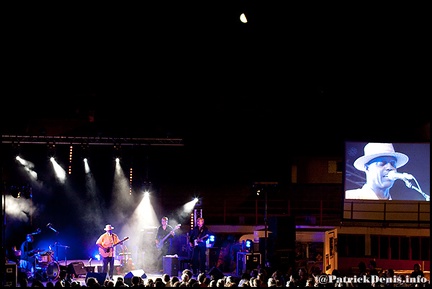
[74, 140]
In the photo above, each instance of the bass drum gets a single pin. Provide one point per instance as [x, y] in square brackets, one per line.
[44, 259]
[53, 271]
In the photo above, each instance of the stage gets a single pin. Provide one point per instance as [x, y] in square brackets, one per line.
[78, 270]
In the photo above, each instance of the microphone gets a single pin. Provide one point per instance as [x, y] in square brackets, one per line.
[49, 225]
[401, 176]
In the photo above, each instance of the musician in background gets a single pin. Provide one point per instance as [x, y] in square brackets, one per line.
[164, 236]
[27, 258]
[197, 239]
[106, 243]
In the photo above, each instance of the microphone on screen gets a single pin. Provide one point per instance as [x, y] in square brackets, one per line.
[401, 176]
[392, 175]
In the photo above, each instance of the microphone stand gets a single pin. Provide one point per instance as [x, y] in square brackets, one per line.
[56, 245]
[65, 247]
[418, 189]
[49, 225]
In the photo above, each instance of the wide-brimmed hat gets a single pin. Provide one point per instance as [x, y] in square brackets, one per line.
[108, 228]
[373, 150]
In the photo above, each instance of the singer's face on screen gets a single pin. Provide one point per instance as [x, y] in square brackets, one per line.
[377, 171]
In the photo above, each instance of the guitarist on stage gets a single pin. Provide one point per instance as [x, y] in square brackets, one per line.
[197, 239]
[106, 243]
[27, 258]
[164, 236]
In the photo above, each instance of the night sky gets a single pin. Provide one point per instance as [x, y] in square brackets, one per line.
[197, 72]
[245, 98]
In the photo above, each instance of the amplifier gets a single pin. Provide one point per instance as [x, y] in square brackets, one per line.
[10, 275]
[170, 265]
[246, 262]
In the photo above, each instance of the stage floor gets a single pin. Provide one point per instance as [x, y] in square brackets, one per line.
[81, 269]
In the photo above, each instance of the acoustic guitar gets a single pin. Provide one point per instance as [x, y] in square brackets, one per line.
[105, 252]
[161, 242]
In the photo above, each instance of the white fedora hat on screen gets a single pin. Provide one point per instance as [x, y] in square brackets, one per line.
[373, 150]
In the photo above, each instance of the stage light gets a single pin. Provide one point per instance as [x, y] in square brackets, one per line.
[210, 241]
[198, 202]
[70, 159]
[51, 150]
[147, 185]
[248, 245]
[212, 238]
[117, 152]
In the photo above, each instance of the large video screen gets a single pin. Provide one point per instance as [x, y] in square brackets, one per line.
[387, 171]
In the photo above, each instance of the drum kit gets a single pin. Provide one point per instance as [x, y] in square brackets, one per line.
[46, 267]
[41, 264]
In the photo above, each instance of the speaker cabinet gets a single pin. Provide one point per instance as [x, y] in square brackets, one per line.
[216, 273]
[77, 268]
[170, 265]
[129, 275]
[283, 234]
[10, 275]
[246, 262]
[100, 277]
[284, 259]
[213, 256]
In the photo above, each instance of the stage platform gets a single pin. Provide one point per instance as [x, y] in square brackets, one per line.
[80, 270]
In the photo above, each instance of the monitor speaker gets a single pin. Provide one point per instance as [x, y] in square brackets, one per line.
[130, 274]
[170, 265]
[77, 268]
[216, 273]
[100, 277]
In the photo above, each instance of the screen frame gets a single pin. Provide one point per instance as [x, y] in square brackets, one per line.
[407, 204]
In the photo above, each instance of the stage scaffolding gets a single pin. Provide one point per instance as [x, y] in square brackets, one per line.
[83, 140]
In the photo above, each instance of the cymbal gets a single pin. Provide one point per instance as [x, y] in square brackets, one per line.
[121, 254]
[63, 246]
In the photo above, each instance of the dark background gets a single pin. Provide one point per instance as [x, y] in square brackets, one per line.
[246, 99]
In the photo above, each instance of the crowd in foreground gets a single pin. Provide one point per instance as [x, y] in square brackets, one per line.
[255, 278]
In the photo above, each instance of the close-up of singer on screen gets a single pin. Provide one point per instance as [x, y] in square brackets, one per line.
[377, 173]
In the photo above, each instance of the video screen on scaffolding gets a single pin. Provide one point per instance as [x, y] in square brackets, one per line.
[387, 171]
